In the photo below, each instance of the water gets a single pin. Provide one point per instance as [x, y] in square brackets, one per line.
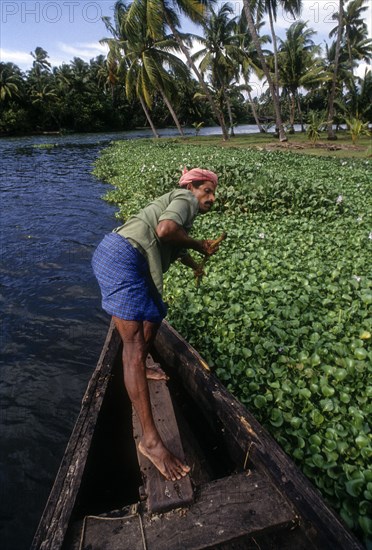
[52, 325]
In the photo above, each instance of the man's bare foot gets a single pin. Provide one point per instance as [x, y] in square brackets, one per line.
[167, 464]
[154, 370]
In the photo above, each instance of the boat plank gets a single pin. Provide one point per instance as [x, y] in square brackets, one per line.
[226, 510]
[161, 494]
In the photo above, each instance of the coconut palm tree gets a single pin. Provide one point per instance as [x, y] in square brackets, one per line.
[40, 65]
[169, 11]
[249, 62]
[273, 92]
[118, 51]
[81, 73]
[45, 99]
[298, 64]
[10, 82]
[361, 50]
[149, 60]
[99, 69]
[357, 102]
[352, 38]
[43, 96]
[219, 54]
[116, 64]
[293, 7]
[147, 74]
[40, 75]
[332, 95]
[343, 78]
[354, 31]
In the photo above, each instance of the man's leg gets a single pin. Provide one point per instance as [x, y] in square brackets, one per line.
[153, 370]
[135, 350]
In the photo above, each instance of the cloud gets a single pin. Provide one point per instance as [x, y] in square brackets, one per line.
[361, 69]
[318, 16]
[14, 56]
[62, 53]
[84, 50]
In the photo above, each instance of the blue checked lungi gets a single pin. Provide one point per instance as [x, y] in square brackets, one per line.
[127, 289]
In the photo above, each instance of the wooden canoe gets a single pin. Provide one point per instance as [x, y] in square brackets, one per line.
[242, 492]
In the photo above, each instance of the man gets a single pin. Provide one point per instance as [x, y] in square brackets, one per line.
[129, 264]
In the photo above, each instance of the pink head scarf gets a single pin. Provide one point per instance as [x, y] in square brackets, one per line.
[197, 174]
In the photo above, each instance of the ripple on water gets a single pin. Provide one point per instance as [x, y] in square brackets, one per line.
[52, 325]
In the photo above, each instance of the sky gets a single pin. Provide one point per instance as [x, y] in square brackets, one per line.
[71, 28]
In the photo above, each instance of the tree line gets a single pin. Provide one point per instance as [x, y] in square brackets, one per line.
[156, 75]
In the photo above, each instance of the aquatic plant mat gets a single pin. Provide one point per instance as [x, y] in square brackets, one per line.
[283, 313]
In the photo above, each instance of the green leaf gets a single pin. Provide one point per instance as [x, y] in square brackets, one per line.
[276, 417]
[366, 524]
[259, 401]
[354, 487]
[317, 417]
[362, 441]
[318, 460]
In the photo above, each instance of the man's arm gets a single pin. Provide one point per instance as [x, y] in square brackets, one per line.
[189, 261]
[168, 231]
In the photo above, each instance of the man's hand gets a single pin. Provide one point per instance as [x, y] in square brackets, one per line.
[210, 247]
[199, 270]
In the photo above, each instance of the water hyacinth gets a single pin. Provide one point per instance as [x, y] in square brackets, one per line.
[286, 325]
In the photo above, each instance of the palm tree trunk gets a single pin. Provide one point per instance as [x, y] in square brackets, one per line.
[149, 120]
[265, 68]
[217, 113]
[231, 122]
[331, 100]
[275, 47]
[300, 113]
[292, 112]
[171, 110]
[350, 56]
[254, 112]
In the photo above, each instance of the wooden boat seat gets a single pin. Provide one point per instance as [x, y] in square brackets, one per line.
[226, 510]
[161, 494]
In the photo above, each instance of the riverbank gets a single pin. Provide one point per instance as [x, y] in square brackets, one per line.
[246, 136]
[298, 143]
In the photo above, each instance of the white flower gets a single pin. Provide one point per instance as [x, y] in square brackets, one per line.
[261, 236]
[339, 200]
[370, 236]
[359, 219]
[357, 278]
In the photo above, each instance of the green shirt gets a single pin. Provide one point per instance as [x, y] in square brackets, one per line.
[179, 205]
